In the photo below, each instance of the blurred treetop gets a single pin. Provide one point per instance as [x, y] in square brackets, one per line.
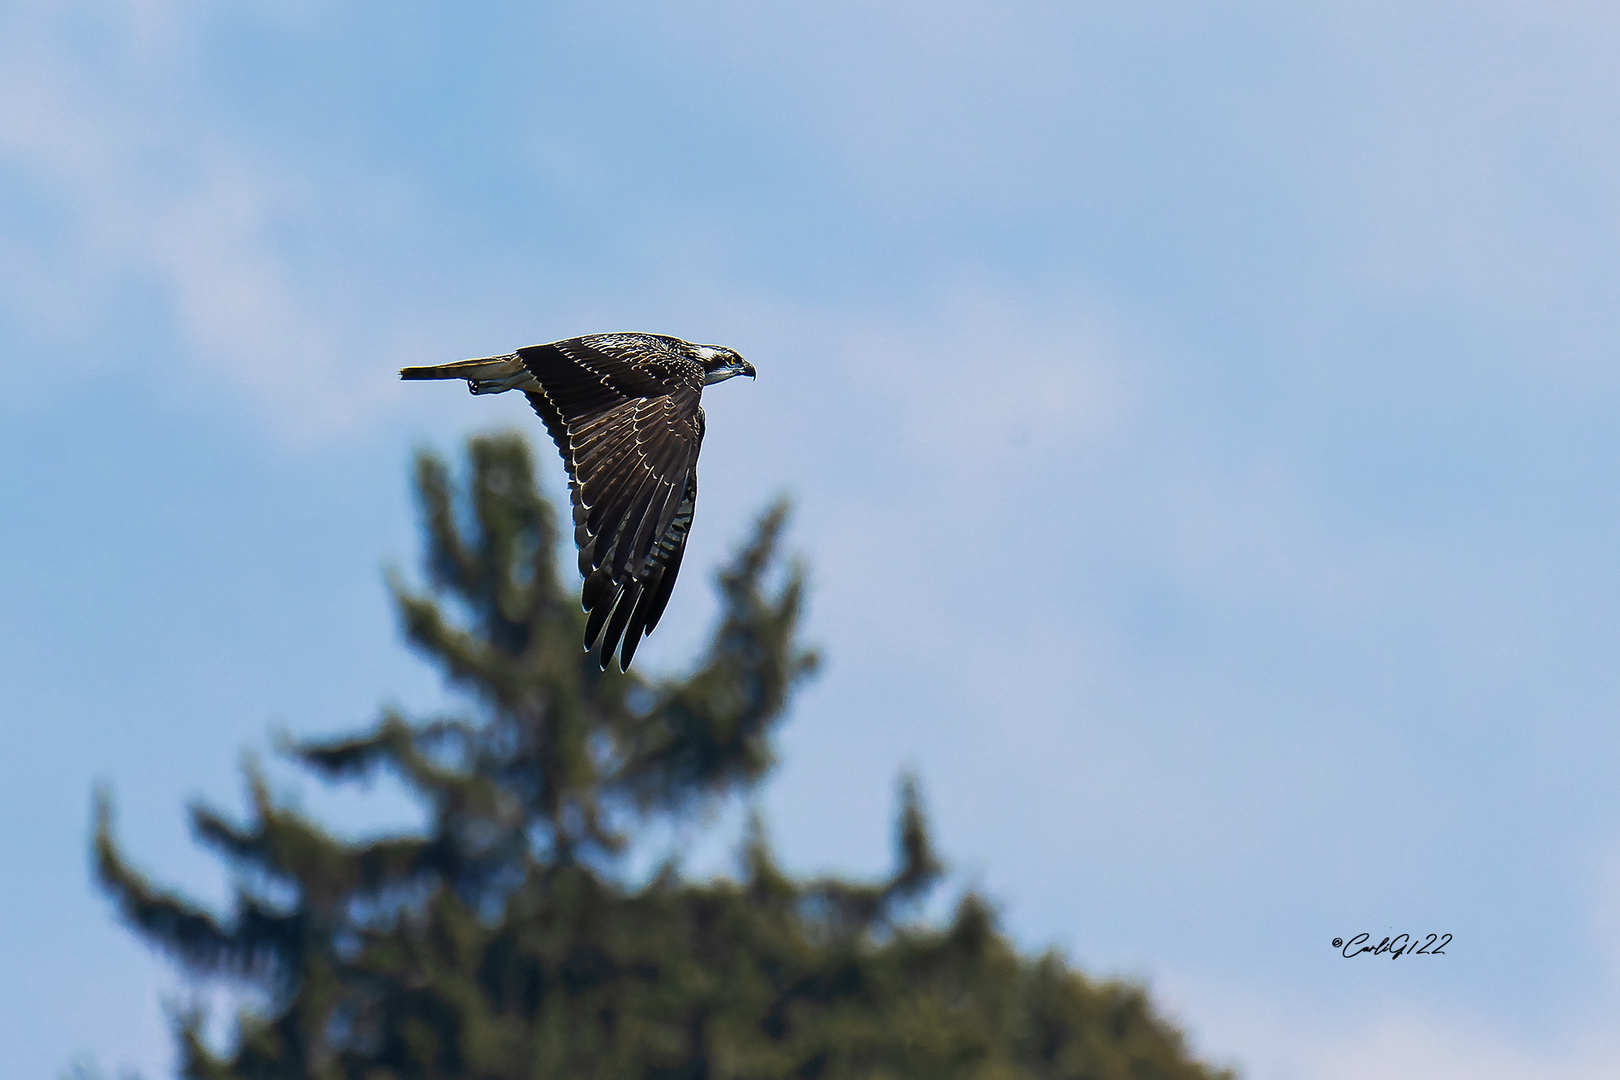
[506, 941]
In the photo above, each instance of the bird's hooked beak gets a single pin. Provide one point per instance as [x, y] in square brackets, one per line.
[748, 369]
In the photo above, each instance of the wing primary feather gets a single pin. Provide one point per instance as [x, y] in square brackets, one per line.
[643, 555]
[675, 496]
[661, 507]
[627, 557]
[666, 585]
[590, 594]
[638, 628]
[621, 616]
[671, 546]
[598, 618]
[583, 540]
[632, 638]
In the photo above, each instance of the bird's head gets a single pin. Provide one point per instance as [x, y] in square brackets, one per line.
[720, 363]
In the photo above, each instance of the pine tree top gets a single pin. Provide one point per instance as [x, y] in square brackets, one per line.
[505, 940]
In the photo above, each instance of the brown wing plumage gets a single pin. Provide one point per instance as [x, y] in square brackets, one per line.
[623, 411]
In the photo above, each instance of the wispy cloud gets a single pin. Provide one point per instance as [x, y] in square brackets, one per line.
[133, 179]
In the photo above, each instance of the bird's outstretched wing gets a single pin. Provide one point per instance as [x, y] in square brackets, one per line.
[623, 411]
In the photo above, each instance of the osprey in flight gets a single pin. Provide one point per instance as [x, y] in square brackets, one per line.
[623, 410]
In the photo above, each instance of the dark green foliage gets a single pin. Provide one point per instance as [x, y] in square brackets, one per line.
[507, 942]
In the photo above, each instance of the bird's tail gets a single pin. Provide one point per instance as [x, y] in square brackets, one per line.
[484, 375]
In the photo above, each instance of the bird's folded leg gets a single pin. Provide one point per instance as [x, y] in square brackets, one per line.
[498, 386]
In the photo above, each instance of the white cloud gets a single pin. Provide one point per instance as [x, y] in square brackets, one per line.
[136, 181]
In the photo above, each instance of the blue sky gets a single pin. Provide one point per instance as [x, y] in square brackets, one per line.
[1201, 423]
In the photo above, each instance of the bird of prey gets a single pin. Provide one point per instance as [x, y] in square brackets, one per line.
[623, 410]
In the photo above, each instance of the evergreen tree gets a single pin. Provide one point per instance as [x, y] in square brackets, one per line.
[507, 940]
